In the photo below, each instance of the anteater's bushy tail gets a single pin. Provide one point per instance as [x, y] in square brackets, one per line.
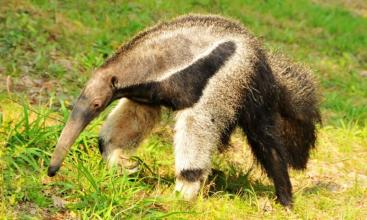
[299, 108]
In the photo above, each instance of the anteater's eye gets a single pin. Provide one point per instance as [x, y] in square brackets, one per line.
[114, 82]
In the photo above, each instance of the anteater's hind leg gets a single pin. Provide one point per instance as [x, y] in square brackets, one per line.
[123, 130]
[266, 145]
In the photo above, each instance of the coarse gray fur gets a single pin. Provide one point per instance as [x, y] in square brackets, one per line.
[216, 75]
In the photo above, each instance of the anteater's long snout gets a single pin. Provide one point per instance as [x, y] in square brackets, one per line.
[78, 120]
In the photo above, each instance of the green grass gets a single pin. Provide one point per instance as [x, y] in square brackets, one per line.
[61, 42]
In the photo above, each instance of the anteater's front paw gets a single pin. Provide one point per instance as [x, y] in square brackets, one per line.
[119, 159]
[187, 190]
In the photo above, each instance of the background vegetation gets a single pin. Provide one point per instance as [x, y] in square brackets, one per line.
[48, 49]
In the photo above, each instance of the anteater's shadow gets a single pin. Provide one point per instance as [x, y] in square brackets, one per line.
[239, 185]
[220, 182]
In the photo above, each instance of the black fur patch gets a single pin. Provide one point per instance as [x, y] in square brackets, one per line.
[101, 144]
[225, 136]
[191, 175]
[182, 89]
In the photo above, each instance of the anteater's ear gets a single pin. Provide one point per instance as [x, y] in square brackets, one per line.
[114, 82]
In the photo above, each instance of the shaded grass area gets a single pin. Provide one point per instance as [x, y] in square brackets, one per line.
[65, 40]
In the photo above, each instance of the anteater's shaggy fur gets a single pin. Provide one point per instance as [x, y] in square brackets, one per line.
[216, 75]
[299, 108]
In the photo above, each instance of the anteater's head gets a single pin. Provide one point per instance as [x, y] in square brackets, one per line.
[94, 98]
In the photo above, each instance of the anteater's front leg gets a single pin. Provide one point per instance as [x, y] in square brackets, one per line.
[195, 140]
[124, 129]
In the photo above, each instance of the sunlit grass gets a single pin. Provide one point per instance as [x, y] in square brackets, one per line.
[87, 188]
